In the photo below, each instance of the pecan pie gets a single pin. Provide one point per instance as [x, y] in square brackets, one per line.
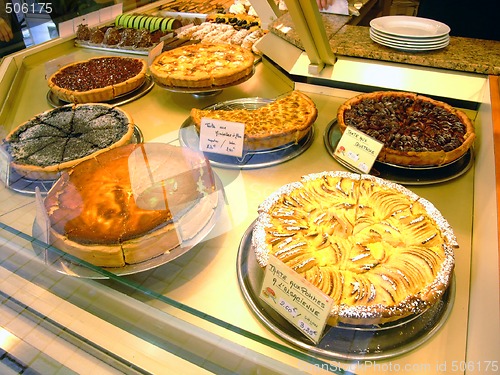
[98, 79]
[416, 130]
[377, 249]
[58, 139]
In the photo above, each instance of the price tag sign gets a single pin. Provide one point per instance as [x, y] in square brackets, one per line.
[358, 149]
[4, 166]
[222, 137]
[296, 299]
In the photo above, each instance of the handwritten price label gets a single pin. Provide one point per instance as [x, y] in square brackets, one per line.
[358, 149]
[222, 137]
[295, 299]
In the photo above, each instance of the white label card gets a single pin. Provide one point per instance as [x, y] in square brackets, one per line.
[222, 137]
[296, 299]
[358, 149]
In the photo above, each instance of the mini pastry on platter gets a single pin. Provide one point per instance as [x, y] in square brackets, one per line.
[416, 130]
[131, 204]
[58, 139]
[202, 66]
[377, 249]
[98, 79]
[282, 121]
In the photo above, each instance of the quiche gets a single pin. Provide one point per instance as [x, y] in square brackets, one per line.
[99, 79]
[378, 250]
[416, 130]
[126, 205]
[202, 66]
[58, 139]
[281, 121]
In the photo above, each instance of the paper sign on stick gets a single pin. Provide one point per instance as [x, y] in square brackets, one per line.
[358, 149]
[296, 299]
[222, 137]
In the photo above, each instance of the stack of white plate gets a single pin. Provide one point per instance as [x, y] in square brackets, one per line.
[409, 33]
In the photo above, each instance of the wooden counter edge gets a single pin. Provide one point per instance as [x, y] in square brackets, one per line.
[495, 113]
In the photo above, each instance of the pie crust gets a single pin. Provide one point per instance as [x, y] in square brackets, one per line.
[416, 130]
[377, 249]
[282, 121]
[202, 66]
[58, 139]
[127, 205]
[99, 79]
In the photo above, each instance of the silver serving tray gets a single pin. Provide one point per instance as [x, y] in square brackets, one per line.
[24, 185]
[202, 92]
[405, 175]
[252, 159]
[128, 97]
[72, 266]
[342, 342]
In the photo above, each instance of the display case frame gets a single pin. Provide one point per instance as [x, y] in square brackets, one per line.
[159, 320]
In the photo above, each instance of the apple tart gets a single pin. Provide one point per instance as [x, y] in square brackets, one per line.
[415, 130]
[377, 249]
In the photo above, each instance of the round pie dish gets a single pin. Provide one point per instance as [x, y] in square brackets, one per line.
[381, 252]
[127, 205]
[202, 65]
[99, 79]
[416, 130]
[58, 139]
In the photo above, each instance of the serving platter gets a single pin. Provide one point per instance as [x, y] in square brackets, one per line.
[344, 341]
[202, 92]
[405, 175]
[251, 159]
[69, 265]
[408, 46]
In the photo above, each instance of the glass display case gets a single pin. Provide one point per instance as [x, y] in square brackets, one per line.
[200, 312]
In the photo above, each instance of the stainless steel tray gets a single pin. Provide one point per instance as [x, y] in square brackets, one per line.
[72, 266]
[342, 342]
[142, 90]
[188, 136]
[25, 185]
[424, 175]
[202, 92]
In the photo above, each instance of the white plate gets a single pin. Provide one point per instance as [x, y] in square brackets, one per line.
[410, 26]
[415, 42]
[406, 47]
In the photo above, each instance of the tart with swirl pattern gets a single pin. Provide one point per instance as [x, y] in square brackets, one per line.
[378, 250]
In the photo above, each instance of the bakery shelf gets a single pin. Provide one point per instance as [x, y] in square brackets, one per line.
[191, 312]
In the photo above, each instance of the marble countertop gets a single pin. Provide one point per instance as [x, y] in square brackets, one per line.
[462, 54]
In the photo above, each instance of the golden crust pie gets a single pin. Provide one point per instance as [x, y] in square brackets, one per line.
[285, 120]
[202, 66]
[58, 139]
[416, 130]
[127, 205]
[377, 249]
[98, 79]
